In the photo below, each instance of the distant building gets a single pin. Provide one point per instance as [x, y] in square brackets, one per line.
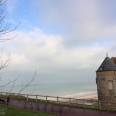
[106, 80]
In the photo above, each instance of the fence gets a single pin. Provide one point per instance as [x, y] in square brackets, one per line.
[51, 99]
[83, 103]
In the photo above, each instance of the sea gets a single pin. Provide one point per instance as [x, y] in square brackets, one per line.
[72, 90]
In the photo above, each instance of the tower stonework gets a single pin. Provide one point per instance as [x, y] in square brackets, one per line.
[106, 80]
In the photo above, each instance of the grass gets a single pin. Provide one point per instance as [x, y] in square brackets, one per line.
[11, 111]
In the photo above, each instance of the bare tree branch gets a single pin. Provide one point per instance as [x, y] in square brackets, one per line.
[6, 63]
[5, 29]
[32, 92]
[9, 82]
[1, 53]
[28, 83]
[12, 87]
[7, 39]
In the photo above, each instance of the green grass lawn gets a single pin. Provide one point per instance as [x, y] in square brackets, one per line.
[11, 111]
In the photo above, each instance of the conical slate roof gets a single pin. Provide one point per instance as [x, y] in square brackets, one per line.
[107, 65]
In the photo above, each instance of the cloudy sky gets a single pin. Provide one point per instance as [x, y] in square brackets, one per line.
[63, 40]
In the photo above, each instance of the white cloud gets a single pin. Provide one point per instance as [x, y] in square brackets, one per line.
[84, 24]
[85, 21]
[36, 50]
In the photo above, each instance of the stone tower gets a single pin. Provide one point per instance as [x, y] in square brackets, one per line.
[106, 80]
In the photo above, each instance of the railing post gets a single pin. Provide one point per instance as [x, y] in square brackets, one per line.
[6, 94]
[57, 100]
[36, 97]
[27, 97]
[19, 96]
[1, 94]
[12, 96]
[70, 102]
[46, 98]
[93, 103]
[83, 103]
[99, 104]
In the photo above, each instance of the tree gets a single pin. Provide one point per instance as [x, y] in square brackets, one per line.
[5, 28]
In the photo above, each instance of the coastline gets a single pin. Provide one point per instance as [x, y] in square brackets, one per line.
[91, 96]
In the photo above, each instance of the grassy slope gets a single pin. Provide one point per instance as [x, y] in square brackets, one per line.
[11, 111]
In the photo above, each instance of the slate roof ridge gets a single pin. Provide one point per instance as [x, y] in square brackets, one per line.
[107, 65]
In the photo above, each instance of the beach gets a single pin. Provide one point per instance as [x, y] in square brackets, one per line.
[91, 96]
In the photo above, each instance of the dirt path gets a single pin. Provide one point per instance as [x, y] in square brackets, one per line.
[67, 111]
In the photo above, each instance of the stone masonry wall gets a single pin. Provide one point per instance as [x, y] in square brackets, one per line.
[102, 81]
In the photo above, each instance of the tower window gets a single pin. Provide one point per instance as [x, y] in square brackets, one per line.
[110, 85]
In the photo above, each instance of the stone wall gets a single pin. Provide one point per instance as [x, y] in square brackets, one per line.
[102, 81]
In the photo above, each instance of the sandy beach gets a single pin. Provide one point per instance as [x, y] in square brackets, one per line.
[92, 96]
[78, 99]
